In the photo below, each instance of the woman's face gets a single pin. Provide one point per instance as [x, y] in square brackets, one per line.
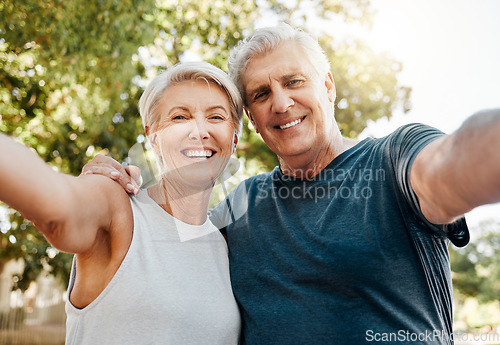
[195, 135]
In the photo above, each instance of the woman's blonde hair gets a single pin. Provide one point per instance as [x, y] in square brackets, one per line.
[186, 71]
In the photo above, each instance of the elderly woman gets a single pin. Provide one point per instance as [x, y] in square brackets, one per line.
[149, 268]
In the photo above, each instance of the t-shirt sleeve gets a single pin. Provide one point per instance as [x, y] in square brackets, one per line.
[219, 213]
[231, 208]
[404, 145]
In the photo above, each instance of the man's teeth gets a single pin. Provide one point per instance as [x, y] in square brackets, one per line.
[198, 154]
[291, 124]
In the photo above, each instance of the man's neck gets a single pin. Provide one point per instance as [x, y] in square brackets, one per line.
[308, 166]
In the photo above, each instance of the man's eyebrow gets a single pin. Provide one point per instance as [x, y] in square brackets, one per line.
[256, 91]
[282, 78]
[292, 75]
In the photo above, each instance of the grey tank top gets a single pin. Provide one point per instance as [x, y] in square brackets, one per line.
[172, 288]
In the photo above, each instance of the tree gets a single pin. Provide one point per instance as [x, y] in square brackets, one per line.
[71, 73]
[63, 94]
[476, 268]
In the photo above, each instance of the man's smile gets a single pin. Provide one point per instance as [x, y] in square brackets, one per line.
[290, 124]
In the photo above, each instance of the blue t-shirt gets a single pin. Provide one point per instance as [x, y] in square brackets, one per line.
[344, 258]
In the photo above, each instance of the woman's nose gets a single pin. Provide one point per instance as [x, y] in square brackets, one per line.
[199, 131]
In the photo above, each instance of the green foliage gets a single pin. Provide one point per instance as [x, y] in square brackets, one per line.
[367, 85]
[208, 29]
[476, 268]
[71, 73]
[349, 10]
[79, 40]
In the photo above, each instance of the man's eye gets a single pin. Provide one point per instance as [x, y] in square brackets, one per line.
[217, 117]
[293, 82]
[260, 95]
[179, 117]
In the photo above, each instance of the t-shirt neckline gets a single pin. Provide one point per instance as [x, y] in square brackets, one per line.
[279, 175]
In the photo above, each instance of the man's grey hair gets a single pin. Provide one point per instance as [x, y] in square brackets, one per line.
[188, 71]
[264, 40]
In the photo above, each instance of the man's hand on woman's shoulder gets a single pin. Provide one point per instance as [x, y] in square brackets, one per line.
[129, 178]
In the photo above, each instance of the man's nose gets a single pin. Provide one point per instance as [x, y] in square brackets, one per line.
[281, 101]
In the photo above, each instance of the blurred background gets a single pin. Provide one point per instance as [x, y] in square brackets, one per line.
[71, 74]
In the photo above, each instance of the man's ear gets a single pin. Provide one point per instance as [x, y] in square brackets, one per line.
[330, 87]
[250, 117]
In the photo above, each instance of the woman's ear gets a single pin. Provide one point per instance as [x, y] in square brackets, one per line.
[235, 141]
[151, 136]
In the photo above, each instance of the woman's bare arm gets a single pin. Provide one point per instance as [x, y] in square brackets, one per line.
[69, 211]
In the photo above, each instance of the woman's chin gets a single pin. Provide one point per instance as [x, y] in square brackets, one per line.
[202, 179]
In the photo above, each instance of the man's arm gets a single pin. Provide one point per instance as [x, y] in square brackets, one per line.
[458, 172]
[69, 211]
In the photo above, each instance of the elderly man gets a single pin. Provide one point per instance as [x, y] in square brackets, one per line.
[345, 242]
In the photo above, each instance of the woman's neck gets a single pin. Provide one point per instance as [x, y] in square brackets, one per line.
[185, 203]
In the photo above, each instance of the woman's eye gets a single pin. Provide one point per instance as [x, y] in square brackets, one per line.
[219, 117]
[178, 117]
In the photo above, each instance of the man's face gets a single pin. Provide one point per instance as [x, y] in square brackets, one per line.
[289, 104]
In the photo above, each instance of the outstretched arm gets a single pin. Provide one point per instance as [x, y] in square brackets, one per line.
[69, 211]
[458, 172]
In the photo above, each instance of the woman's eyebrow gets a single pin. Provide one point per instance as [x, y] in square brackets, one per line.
[216, 107]
[178, 107]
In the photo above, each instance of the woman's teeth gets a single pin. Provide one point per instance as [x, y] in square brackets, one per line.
[198, 154]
